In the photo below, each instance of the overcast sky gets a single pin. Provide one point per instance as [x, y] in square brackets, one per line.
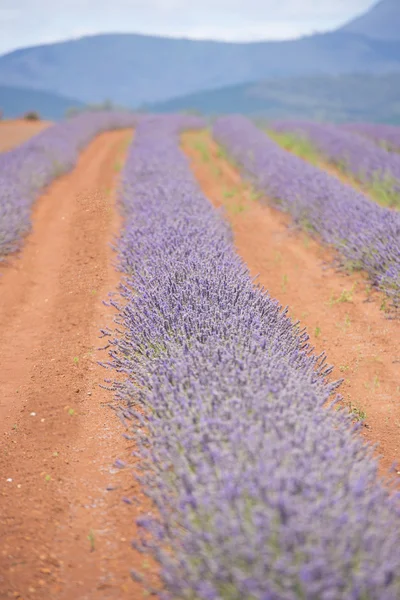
[30, 22]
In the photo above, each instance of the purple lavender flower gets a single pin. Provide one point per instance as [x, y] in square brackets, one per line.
[261, 492]
[366, 234]
[27, 169]
[362, 158]
[387, 136]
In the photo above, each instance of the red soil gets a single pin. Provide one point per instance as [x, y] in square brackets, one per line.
[13, 133]
[359, 340]
[63, 535]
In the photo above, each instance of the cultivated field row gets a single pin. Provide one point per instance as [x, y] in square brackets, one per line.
[367, 162]
[64, 532]
[27, 169]
[365, 234]
[342, 314]
[242, 460]
[257, 483]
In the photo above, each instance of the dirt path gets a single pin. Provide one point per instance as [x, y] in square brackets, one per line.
[64, 535]
[363, 345]
[13, 133]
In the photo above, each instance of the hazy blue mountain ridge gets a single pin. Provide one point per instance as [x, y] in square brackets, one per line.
[132, 69]
[382, 21]
[337, 98]
[15, 102]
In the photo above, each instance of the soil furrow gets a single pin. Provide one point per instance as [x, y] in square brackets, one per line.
[64, 534]
[342, 315]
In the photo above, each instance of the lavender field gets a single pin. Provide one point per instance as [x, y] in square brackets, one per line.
[387, 136]
[27, 169]
[261, 492]
[367, 235]
[246, 474]
[359, 156]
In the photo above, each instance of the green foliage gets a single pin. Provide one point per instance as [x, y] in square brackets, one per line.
[297, 144]
[352, 266]
[345, 296]
[358, 413]
[32, 115]
[58, 168]
[217, 171]
[384, 189]
[230, 193]
[255, 195]
[91, 539]
[203, 149]
[222, 153]
[307, 225]
[236, 208]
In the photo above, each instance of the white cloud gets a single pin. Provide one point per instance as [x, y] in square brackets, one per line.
[9, 14]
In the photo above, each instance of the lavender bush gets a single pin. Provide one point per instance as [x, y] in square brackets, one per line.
[361, 158]
[27, 169]
[387, 136]
[261, 492]
[366, 234]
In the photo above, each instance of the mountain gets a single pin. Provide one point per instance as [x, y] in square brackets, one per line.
[381, 22]
[131, 69]
[16, 101]
[334, 98]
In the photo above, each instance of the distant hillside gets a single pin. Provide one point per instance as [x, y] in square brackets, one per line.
[336, 98]
[381, 22]
[130, 69]
[15, 101]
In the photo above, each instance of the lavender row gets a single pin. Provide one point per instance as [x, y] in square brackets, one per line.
[357, 156]
[366, 234]
[27, 169]
[387, 136]
[260, 492]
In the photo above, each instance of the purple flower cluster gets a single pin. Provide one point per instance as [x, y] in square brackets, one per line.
[387, 136]
[27, 169]
[358, 156]
[261, 492]
[366, 234]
